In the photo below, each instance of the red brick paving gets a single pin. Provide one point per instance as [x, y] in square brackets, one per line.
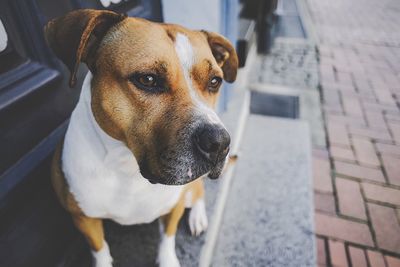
[341, 153]
[392, 167]
[375, 259]
[343, 229]
[337, 253]
[386, 226]
[365, 152]
[321, 255]
[322, 175]
[360, 172]
[325, 202]
[357, 257]
[392, 262]
[357, 183]
[383, 194]
[351, 202]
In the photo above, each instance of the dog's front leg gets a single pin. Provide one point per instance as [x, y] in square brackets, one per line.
[168, 226]
[93, 231]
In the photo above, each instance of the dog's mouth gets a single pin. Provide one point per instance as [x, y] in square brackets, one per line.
[146, 173]
[179, 177]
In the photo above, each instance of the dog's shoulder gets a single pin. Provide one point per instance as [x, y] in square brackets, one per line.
[59, 183]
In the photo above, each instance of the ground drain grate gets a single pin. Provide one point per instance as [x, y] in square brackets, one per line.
[286, 106]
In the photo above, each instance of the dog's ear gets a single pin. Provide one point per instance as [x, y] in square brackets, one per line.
[225, 55]
[75, 37]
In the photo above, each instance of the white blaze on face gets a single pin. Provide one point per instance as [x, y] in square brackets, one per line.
[187, 59]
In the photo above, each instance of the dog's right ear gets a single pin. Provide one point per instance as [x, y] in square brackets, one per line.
[75, 37]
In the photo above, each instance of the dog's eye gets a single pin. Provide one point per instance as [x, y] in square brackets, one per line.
[147, 82]
[214, 84]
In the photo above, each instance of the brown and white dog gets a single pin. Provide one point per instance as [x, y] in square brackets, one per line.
[144, 129]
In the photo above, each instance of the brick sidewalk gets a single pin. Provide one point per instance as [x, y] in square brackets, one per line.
[357, 179]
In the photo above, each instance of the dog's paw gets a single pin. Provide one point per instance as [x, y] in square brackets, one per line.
[166, 253]
[168, 260]
[198, 221]
[102, 258]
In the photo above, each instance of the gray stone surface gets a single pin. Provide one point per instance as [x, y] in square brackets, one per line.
[310, 108]
[292, 63]
[268, 219]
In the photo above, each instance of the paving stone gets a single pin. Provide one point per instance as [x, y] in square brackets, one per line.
[376, 134]
[357, 257]
[392, 168]
[346, 120]
[321, 251]
[388, 149]
[337, 134]
[352, 106]
[386, 227]
[382, 193]
[324, 202]
[322, 175]
[343, 229]
[392, 261]
[375, 119]
[395, 129]
[357, 171]
[385, 108]
[341, 153]
[365, 152]
[384, 95]
[320, 153]
[392, 117]
[375, 259]
[332, 110]
[350, 199]
[332, 98]
[339, 22]
[337, 253]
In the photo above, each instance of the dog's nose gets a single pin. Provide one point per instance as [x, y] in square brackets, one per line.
[213, 141]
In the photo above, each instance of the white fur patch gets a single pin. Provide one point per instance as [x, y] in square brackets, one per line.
[102, 258]
[187, 59]
[3, 37]
[188, 199]
[198, 221]
[103, 174]
[107, 3]
[166, 252]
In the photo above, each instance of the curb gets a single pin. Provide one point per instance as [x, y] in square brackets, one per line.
[306, 19]
[207, 250]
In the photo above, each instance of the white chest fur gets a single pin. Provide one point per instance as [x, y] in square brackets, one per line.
[103, 174]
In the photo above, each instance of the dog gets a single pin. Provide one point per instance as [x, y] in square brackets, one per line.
[144, 132]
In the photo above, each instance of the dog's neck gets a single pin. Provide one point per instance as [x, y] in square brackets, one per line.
[86, 140]
[106, 141]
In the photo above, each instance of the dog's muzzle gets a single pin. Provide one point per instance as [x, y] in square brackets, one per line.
[201, 149]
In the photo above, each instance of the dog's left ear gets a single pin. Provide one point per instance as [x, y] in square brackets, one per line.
[75, 37]
[225, 55]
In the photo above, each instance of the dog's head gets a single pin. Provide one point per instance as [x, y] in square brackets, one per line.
[154, 87]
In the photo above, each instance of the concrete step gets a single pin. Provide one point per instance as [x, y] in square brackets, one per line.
[268, 218]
